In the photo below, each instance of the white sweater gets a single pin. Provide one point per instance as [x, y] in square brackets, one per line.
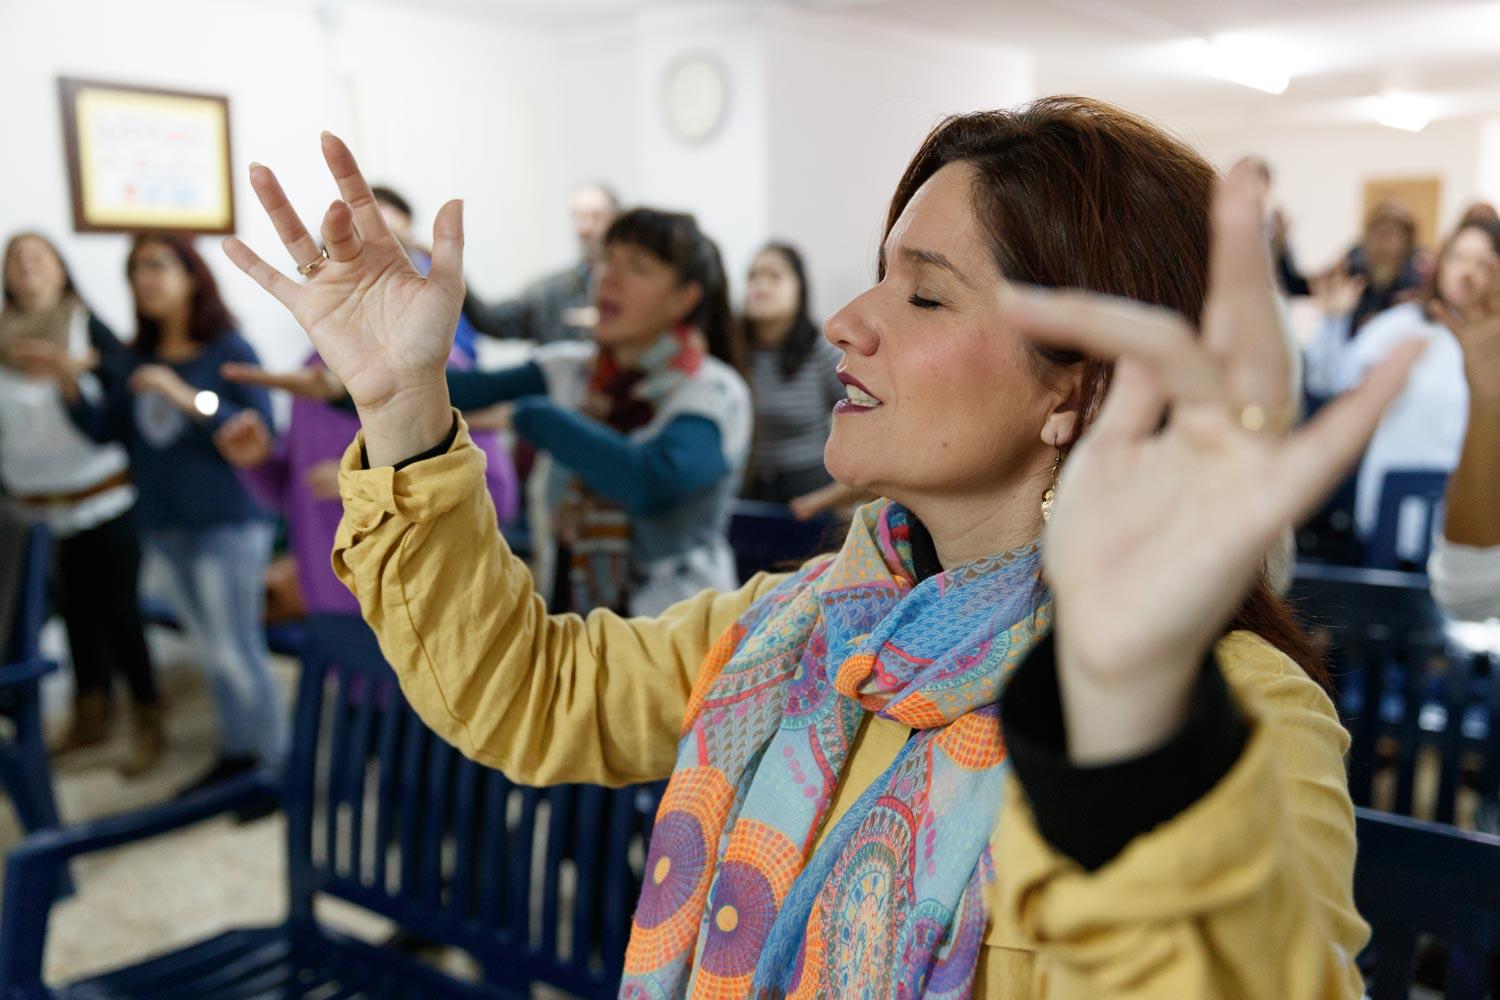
[43, 453]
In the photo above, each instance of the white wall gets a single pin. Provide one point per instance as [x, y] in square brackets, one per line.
[723, 180]
[437, 105]
[598, 86]
[824, 114]
[1320, 172]
[1489, 160]
[850, 104]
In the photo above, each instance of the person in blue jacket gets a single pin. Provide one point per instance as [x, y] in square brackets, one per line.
[164, 399]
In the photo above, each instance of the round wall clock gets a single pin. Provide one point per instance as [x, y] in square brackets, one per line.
[695, 94]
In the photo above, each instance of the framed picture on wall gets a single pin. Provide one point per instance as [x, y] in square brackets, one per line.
[145, 158]
[1421, 196]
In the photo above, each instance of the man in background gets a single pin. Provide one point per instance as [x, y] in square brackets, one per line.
[556, 307]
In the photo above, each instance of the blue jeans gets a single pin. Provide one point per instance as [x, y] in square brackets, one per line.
[217, 579]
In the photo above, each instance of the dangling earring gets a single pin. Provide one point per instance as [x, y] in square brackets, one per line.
[1051, 493]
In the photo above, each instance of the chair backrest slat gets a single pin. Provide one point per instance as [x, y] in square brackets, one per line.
[435, 801]
[356, 789]
[386, 802]
[494, 847]
[1450, 741]
[518, 866]
[590, 832]
[561, 820]
[466, 871]
[1408, 733]
[415, 738]
[347, 687]
[616, 881]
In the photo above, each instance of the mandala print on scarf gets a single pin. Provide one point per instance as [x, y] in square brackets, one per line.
[736, 901]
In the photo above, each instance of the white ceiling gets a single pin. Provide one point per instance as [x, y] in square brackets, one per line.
[1139, 52]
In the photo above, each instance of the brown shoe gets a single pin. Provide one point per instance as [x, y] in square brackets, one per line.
[148, 741]
[92, 713]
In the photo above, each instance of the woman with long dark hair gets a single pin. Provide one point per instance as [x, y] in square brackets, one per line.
[792, 371]
[1156, 808]
[165, 403]
[82, 488]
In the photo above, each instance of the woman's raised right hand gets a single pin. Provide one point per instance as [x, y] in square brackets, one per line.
[378, 324]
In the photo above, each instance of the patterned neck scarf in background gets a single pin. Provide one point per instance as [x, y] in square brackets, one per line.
[891, 904]
[594, 531]
[47, 326]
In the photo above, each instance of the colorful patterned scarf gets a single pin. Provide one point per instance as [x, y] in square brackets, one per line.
[595, 532]
[46, 326]
[891, 903]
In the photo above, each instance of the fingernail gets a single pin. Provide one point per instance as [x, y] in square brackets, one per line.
[255, 163]
[325, 134]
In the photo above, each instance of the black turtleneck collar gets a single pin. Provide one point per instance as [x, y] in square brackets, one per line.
[924, 557]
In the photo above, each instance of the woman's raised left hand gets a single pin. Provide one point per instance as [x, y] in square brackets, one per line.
[1169, 502]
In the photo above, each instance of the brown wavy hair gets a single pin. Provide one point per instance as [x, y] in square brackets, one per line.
[12, 245]
[1075, 193]
[208, 319]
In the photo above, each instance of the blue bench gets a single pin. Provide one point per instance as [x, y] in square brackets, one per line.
[766, 537]
[1403, 684]
[538, 885]
[1415, 879]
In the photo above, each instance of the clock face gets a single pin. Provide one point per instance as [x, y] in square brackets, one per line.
[696, 95]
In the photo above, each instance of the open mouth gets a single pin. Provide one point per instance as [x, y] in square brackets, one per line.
[857, 397]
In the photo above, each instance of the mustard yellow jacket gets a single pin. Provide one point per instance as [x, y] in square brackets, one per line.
[1248, 893]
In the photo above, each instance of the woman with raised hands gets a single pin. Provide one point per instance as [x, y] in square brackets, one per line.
[1165, 813]
[647, 428]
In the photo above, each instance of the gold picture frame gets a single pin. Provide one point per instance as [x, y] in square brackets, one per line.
[144, 158]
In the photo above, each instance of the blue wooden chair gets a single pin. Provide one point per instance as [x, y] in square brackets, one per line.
[536, 884]
[1402, 684]
[25, 769]
[1416, 879]
[1401, 489]
[766, 537]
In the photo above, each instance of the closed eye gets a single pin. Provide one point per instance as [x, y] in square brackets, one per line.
[922, 303]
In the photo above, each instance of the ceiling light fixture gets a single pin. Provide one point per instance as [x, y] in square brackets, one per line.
[1404, 111]
[1249, 65]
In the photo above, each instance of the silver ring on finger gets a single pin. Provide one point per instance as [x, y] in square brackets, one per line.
[306, 270]
[1257, 419]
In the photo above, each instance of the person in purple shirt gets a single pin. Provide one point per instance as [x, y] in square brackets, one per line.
[297, 475]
